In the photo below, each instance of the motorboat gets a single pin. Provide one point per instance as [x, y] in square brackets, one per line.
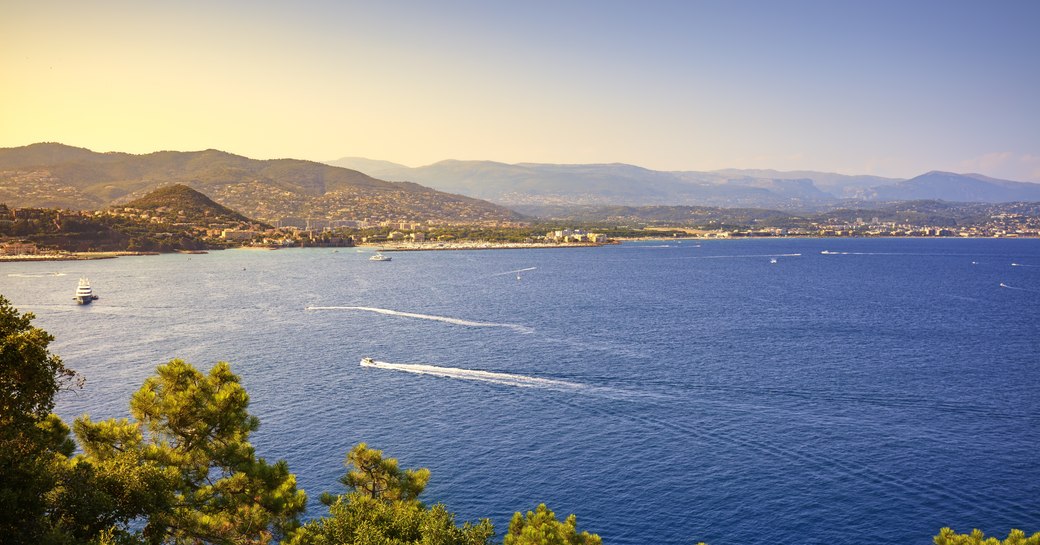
[379, 257]
[84, 293]
[367, 362]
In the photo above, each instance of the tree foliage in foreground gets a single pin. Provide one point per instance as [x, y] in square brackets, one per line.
[379, 478]
[33, 442]
[383, 507]
[1017, 537]
[190, 440]
[540, 527]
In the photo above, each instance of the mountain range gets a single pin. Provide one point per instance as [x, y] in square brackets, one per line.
[51, 175]
[59, 176]
[533, 188]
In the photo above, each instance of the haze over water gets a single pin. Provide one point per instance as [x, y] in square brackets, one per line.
[662, 391]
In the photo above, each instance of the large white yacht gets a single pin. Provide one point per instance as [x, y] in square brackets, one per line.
[84, 294]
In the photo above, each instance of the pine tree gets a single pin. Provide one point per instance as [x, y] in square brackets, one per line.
[191, 431]
[33, 442]
[382, 506]
[540, 527]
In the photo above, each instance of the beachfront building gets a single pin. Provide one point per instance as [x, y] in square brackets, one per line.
[574, 235]
[18, 248]
[237, 235]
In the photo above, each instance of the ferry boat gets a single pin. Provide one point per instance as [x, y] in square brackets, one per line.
[84, 294]
[379, 257]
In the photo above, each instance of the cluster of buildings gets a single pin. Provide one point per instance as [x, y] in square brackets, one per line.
[1000, 226]
[574, 235]
[18, 248]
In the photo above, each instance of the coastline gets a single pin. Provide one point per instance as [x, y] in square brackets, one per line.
[468, 245]
[72, 256]
[447, 246]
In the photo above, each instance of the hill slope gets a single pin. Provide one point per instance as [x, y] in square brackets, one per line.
[55, 175]
[533, 185]
[956, 187]
[180, 202]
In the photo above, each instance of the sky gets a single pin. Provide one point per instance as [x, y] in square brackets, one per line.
[887, 88]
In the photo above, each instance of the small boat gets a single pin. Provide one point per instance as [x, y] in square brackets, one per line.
[84, 294]
[773, 260]
[367, 362]
[379, 257]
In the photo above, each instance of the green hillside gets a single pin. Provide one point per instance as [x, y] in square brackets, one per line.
[179, 201]
[55, 175]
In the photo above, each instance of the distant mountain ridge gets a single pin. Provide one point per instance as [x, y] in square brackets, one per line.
[55, 175]
[530, 187]
[957, 187]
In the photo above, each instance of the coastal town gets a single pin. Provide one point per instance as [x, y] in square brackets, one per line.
[35, 233]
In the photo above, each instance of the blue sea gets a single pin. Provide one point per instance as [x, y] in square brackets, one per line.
[854, 391]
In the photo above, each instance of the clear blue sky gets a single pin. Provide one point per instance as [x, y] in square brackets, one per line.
[871, 87]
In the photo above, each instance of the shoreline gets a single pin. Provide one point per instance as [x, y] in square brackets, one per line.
[449, 246]
[73, 256]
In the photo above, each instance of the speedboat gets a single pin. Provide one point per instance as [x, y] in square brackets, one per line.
[84, 294]
[366, 362]
[379, 257]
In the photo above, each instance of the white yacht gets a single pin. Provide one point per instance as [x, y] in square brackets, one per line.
[84, 294]
[379, 257]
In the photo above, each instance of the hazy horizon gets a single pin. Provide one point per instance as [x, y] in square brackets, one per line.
[886, 89]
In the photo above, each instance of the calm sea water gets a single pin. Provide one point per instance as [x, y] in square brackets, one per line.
[665, 392]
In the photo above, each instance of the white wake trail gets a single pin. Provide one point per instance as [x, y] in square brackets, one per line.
[510, 379]
[515, 272]
[36, 275]
[445, 319]
[1003, 285]
[506, 379]
[743, 256]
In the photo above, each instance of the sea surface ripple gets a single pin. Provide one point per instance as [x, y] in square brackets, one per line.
[810, 391]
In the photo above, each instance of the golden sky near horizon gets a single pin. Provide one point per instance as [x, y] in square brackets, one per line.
[665, 85]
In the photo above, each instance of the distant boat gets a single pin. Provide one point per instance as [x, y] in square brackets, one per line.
[379, 257]
[772, 260]
[84, 294]
[367, 362]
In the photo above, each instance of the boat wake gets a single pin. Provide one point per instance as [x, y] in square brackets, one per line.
[1003, 285]
[446, 319]
[1024, 265]
[505, 379]
[742, 256]
[510, 379]
[518, 271]
[36, 275]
